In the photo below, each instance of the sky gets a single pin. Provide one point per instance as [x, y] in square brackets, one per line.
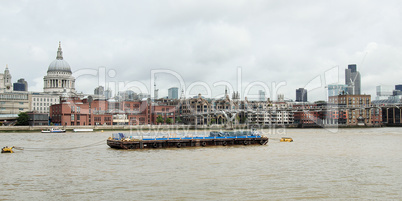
[205, 46]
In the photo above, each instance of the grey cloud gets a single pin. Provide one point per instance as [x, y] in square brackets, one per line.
[273, 41]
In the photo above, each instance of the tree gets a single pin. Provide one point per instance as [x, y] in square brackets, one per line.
[178, 119]
[159, 119]
[244, 120]
[22, 119]
[169, 121]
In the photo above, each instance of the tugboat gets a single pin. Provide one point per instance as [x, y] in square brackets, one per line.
[122, 141]
[7, 150]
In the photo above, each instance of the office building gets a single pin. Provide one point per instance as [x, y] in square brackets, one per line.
[173, 93]
[301, 95]
[353, 80]
[398, 87]
[21, 85]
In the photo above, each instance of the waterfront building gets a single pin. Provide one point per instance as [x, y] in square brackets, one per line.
[173, 93]
[392, 116]
[73, 111]
[40, 101]
[14, 102]
[301, 95]
[356, 110]
[38, 119]
[308, 114]
[353, 79]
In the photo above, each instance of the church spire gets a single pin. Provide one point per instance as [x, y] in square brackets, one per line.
[59, 52]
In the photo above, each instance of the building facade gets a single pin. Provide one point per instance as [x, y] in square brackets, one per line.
[173, 93]
[14, 102]
[301, 95]
[20, 85]
[353, 80]
[356, 110]
[40, 102]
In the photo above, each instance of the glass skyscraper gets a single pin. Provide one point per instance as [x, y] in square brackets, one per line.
[352, 79]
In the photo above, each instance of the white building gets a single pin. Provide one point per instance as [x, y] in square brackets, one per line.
[14, 102]
[41, 102]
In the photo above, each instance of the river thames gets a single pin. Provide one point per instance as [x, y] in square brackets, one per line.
[341, 165]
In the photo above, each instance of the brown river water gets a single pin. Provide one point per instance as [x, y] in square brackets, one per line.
[345, 164]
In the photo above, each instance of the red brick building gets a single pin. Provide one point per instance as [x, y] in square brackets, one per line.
[76, 112]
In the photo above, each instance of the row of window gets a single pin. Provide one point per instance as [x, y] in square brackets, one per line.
[3, 102]
[20, 109]
[40, 104]
[45, 99]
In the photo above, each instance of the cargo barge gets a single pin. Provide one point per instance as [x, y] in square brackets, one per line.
[120, 141]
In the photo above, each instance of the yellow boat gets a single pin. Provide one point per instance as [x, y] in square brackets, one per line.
[7, 150]
[286, 139]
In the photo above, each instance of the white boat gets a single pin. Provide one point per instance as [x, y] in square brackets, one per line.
[83, 129]
[54, 130]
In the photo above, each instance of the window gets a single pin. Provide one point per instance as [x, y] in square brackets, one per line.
[72, 117]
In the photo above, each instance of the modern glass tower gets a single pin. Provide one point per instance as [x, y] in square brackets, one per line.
[301, 95]
[173, 93]
[352, 79]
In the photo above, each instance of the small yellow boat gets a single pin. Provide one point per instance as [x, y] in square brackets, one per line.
[7, 150]
[286, 139]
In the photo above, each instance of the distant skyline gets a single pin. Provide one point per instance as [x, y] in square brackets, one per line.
[299, 44]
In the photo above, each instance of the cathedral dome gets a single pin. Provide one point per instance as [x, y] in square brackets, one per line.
[59, 64]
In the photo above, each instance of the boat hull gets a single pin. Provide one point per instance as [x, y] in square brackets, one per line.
[186, 142]
[58, 131]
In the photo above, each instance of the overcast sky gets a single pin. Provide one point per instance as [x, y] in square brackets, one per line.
[283, 45]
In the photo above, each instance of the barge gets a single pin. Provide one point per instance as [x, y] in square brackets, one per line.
[121, 141]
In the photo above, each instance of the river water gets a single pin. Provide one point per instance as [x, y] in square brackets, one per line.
[320, 164]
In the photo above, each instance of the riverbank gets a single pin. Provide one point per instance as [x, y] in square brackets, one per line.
[8, 129]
